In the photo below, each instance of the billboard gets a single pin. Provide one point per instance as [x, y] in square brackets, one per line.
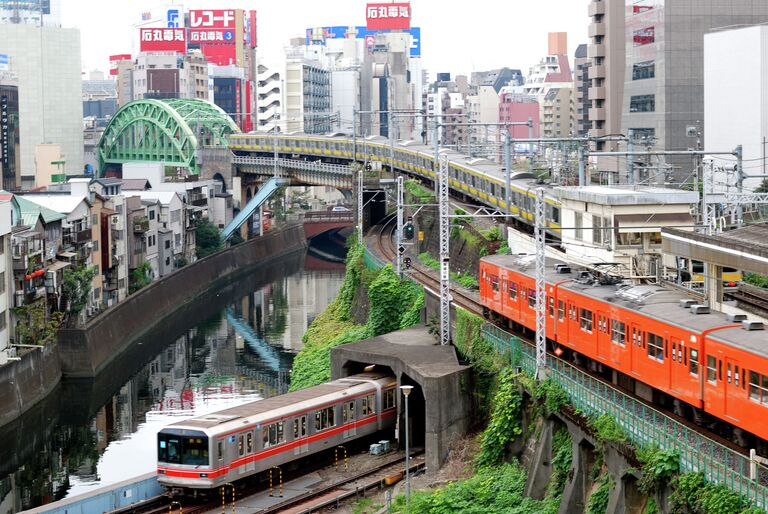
[319, 35]
[252, 29]
[5, 137]
[168, 16]
[5, 62]
[114, 59]
[212, 19]
[162, 40]
[396, 16]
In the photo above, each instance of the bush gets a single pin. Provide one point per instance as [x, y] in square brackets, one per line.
[658, 467]
[607, 429]
[504, 426]
[598, 501]
[551, 394]
[207, 239]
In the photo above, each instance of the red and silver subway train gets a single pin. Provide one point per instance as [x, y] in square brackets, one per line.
[649, 335]
[208, 451]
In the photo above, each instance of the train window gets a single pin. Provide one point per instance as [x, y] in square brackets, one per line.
[249, 442]
[560, 310]
[618, 332]
[512, 291]
[300, 427]
[495, 282]
[169, 448]
[556, 215]
[348, 412]
[532, 298]
[758, 387]
[720, 366]
[655, 346]
[390, 397]
[711, 369]
[325, 418]
[369, 405]
[240, 447]
[586, 320]
[221, 450]
[674, 351]
[492, 189]
[694, 363]
[272, 434]
[551, 307]
[728, 373]
[743, 378]
[684, 354]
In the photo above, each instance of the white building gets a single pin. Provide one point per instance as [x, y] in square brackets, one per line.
[171, 218]
[47, 64]
[269, 92]
[736, 101]
[6, 274]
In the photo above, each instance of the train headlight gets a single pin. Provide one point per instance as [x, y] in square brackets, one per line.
[161, 472]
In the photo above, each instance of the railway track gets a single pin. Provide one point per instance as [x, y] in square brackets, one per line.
[751, 299]
[385, 246]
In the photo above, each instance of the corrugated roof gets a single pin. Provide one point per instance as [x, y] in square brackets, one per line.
[31, 211]
[59, 203]
[164, 197]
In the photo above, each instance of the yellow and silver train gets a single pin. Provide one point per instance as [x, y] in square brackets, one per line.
[475, 179]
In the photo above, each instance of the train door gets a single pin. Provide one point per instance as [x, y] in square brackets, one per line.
[250, 463]
[241, 452]
[300, 435]
[733, 389]
[348, 419]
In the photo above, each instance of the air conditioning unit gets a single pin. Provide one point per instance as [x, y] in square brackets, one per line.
[700, 309]
[736, 318]
[687, 303]
[752, 325]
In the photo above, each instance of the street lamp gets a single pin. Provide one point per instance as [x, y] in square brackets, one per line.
[406, 391]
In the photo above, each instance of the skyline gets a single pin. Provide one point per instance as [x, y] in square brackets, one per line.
[442, 50]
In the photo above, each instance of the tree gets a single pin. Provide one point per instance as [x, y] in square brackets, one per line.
[77, 286]
[208, 239]
[140, 277]
[34, 326]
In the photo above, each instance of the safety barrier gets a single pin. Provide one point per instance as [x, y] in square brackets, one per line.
[644, 425]
[223, 490]
[336, 457]
[280, 479]
[371, 261]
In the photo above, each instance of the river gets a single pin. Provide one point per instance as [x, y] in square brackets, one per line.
[91, 433]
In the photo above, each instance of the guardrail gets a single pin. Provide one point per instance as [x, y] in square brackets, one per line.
[643, 425]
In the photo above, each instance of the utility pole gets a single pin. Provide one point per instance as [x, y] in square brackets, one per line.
[630, 158]
[399, 234]
[740, 183]
[508, 169]
[582, 167]
[530, 146]
[360, 205]
[541, 286]
[445, 235]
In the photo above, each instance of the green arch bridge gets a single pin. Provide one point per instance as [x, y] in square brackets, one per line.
[167, 130]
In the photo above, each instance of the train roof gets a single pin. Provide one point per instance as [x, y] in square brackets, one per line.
[660, 303]
[278, 406]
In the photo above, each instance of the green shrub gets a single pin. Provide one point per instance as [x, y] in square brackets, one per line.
[598, 501]
[504, 426]
[562, 460]
[551, 394]
[504, 249]
[658, 467]
[607, 429]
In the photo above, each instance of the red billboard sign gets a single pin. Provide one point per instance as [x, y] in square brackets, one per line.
[222, 36]
[220, 55]
[114, 59]
[212, 19]
[162, 40]
[396, 16]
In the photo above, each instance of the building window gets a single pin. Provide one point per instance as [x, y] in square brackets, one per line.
[758, 387]
[644, 36]
[151, 215]
[167, 244]
[655, 347]
[3, 317]
[601, 232]
[640, 135]
[586, 320]
[642, 103]
[644, 70]
[578, 233]
[618, 332]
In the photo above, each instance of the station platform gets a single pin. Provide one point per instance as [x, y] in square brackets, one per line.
[743, 248]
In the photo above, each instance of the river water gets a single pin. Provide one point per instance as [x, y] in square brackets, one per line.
[233, 346]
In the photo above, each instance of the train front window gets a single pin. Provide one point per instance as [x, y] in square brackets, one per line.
[180, 449]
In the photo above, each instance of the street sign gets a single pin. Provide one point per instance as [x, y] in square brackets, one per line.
[401, 250]
[421, 235]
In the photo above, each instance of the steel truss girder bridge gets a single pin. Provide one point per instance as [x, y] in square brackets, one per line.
[167, 131]
[301, 172]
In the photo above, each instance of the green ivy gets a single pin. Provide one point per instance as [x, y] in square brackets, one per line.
[504, 249]
[607, 430]
[598, 501]
[551, 394]
[562, 460]
[651, 507]
[692, 494]
[658, 467]
[504, 426]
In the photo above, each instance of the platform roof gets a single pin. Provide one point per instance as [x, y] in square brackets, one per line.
[744, 248]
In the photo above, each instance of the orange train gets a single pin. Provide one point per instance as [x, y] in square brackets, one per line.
[646, 338]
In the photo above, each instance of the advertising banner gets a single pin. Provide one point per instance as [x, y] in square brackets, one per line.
[162, 40]
[212, 19]
[395, 16]
[5, 139]
[319, 36]
[5, 62]
[114, 59]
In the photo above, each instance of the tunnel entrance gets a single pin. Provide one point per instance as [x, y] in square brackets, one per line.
[417, 418]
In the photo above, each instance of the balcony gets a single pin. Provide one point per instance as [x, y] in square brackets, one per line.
[596, 51]
[596, 29]
[596, 7]
[140, 225]
[198, 200]
[597, 93]
[83, 236]
[597, 72]
[597, 113]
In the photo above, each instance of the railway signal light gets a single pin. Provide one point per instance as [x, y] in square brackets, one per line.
[407, 262]
[368, 166]
[408, 231]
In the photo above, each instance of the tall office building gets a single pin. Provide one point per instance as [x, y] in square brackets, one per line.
[659, 98]
[45, 13]
[46, 61]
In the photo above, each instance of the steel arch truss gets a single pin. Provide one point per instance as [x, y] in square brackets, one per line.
[166, 131]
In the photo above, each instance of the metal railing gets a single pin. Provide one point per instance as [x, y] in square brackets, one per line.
[295, 164]
[644, 425]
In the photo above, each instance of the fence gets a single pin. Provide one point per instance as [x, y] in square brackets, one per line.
[644, 425]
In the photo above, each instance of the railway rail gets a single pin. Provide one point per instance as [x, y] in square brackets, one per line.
[751, 299]
[310, 501]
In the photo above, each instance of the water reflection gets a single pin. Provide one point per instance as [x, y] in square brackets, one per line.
[241, 351]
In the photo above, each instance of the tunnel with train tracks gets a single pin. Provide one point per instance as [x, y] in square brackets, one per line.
[438, 405]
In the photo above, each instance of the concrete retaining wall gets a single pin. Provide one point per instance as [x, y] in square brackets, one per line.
[86, 351]
[24, 383]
